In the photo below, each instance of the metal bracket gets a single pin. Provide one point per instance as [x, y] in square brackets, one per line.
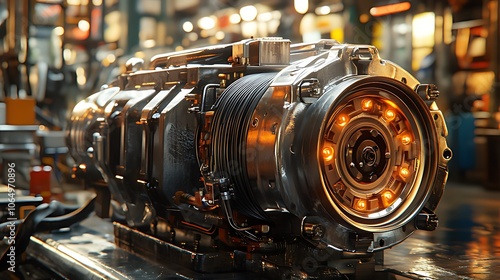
[309, 90]
[428, 92]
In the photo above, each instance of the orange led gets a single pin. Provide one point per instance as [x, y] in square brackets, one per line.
[360, 204]
[328, 153]
[404, 172]
[342, 120]
[406, 139]
[387, 198]
[367, 104]
[389, 114]
[390, 9]
[387, 195]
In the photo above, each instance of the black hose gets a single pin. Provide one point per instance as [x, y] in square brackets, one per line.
[24, 232]
[63, 216]
[40, 220]
[78, 215]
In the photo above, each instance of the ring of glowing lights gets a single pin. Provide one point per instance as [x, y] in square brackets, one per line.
[371, 156]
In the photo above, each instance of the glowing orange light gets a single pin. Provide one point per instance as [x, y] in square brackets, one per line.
[387, 195]
[366, 104]
[361, 204]
[389, 115]
[406, 139]
[387, 198]
[328, 153]
[390, 9]
[404, 172]
[342, 120]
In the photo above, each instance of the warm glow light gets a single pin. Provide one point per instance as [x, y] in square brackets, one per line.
[389, 115]
[59, 31]
[323, 10]
[405, 139]
[206, 23]
[342, 120]
[328, 153]
[248, 13]
[423, 30]
[80, 76]
[387, 198]
[140, 54]
[329, 9]
[234, 18]
[84, 25]
[360, 204]
[187, 26]
[301, 6]
[68, 54]
[192, 36]
[97, 2]
[220, 35]
[404, 172]
[111, 58]
[390, 9]
[249, 29]
[364, 18]
[149, 43]
[387, 195]
[367, 104]
[265, 17]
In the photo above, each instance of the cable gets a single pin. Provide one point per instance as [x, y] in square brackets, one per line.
[39, 220]
[26, 229]
[60, 218]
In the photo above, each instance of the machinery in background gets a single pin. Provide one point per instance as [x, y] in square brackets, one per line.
[287, 160]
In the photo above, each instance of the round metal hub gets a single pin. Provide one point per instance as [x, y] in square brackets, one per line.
[364, 152]
[371, 155]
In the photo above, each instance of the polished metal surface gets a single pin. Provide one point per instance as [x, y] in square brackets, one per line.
[465, 246]
[271, 147]
[261, 52]
[17, 135]
[88, 251]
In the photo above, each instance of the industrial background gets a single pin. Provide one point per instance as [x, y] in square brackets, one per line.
[54, 53]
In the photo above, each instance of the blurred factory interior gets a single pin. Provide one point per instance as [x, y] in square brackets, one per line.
[55, 53]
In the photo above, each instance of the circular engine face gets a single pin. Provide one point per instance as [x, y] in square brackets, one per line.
[376, 152]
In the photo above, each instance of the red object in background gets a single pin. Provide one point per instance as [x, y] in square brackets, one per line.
[40, 182]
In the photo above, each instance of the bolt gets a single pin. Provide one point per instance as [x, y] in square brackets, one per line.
[264, 228]
[155, 116]
[255, 122]
[90, 152]
[427, 91]
[426, 221]
[387, 155]
[314, 231]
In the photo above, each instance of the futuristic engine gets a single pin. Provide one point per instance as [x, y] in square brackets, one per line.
[266, 156]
